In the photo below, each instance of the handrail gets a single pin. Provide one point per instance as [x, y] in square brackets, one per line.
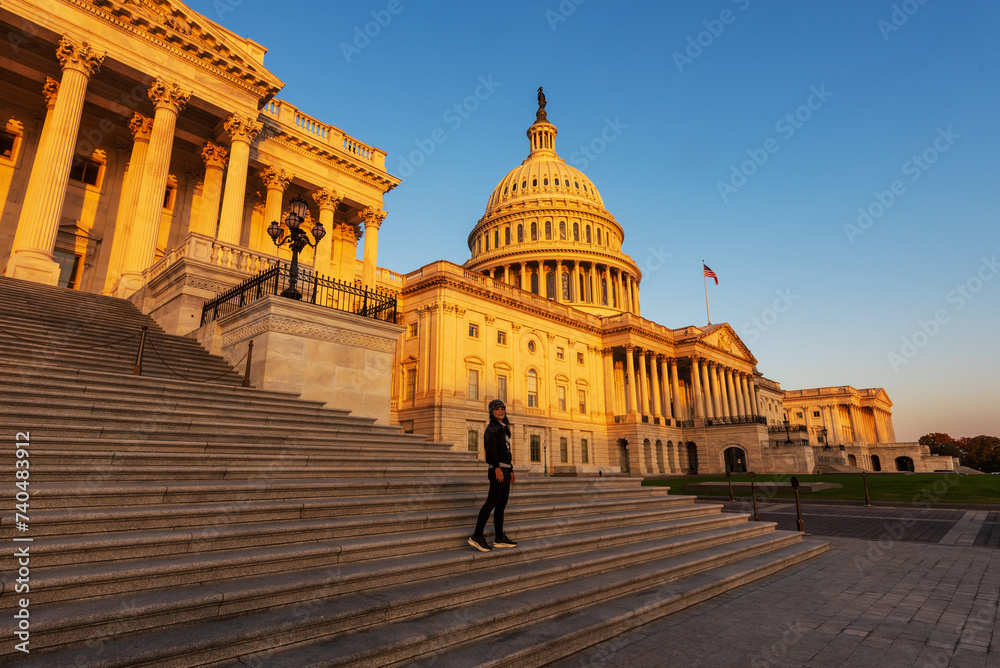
[314, 288]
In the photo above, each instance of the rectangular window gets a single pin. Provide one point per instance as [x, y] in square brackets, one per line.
[7, 141]
[536, 448]
[563, 449]
[579, 358]
[413, 329]
[85, 170]
[532, 390]
[502, 388]
[561, 392]
[502, 338]
[411, 383]
[473, 384]
[584, 455]
[473, 440]
[474, 331]
[581, 396]
[815, 414]
[559, 353]
[798, 414]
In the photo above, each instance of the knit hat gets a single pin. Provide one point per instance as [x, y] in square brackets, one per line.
[495, 404]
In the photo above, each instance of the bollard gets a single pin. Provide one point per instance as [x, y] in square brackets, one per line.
[753, 493]
[798, 506]
[729, 479]
[864, 479]
[137, 369]
[246, 370]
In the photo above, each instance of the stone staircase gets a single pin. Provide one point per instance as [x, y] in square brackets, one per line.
[184, 523]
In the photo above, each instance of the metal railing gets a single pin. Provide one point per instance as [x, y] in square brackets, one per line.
[736, 419]
[314, 289]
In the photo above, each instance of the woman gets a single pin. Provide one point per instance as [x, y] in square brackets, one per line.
[500, 474]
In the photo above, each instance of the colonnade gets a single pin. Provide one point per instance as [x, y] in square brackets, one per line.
[140, 207]
[652, 386]
[586, 282]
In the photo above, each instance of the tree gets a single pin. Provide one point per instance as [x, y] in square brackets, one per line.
[941, 444]
[981, 452]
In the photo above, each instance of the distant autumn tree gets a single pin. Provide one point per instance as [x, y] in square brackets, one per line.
[942, 444]
[981, 452]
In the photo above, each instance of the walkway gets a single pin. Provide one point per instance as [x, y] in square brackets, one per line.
[901, 587]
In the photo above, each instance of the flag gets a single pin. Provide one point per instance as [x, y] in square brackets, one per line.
[709, 273]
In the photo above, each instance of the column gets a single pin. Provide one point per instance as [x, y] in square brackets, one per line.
[734, 407]
[506, 274]
[643, 384]
[720, 389]
[635, 292]
[754, 406]
[169, 100]
[654, 383]
[524, 280]
[373, 220]
[630, 371]
[425, 350]
[605, 286]
[35, 239]
[631, 294]
[855, 431]
[141, 127]
[879, 432]
[242, 131]
[215, 158]
[328, 200]
[699, 404]
[609, 381]
[558, 281]
[675, 396]
[745, 393]
[710, 404]
[276, 180]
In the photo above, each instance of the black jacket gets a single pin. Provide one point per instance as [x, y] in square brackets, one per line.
[496, 440]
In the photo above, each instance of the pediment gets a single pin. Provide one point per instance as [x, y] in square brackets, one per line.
[174, 25]
[724, 338]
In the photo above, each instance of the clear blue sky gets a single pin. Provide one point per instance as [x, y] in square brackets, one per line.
[883, 96]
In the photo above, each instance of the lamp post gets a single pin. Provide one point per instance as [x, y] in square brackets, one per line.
[788, 437]
[296, 239]
[826, 442]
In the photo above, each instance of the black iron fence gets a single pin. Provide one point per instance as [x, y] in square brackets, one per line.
[313, 288]
[736, 419]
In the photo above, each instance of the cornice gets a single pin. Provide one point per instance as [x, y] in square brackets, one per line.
[340, 162]
[173, 33]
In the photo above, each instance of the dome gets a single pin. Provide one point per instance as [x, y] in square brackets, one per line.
[545, 230]
[543, 175]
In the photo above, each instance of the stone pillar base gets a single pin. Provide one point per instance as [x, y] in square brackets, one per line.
[339, 358]
[127, 285]
[33, 266]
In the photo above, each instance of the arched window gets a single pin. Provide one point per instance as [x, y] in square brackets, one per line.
[587, 229]
[479, 244]
[487, 235]
[545, 181]
[550, 285]
[506, 236]
[496, 238]
[534, 282]
[548, 230]
[532, 389]
[604, 292]
[562, 230]
[534, 231]
[520, 233]
[576, 231]
[598, 236]
[565, 286]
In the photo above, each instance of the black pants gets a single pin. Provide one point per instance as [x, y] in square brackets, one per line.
[496, 501]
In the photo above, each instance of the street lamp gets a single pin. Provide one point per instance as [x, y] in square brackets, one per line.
[296, 239]
[788, 438]
[826, 442]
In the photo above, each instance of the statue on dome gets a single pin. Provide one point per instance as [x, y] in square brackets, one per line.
[540, 114]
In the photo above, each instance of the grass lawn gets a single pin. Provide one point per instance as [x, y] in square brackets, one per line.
[913, 488]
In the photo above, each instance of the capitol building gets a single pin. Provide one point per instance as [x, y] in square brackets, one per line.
[145, 151]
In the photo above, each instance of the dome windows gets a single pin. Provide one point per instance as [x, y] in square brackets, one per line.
[576, 231]
[562, 230]
[577, 184]
[557, 181]
[514, 187]
[520, 233]
[506, 236]
[545, 181]
[598, 236]
[524, 184]
[587, 230]
[534, 231]
[548, 230]
[534, 183]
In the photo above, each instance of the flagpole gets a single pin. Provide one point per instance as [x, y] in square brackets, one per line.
[705, 279]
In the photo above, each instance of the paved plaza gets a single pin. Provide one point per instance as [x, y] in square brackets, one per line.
[913, 588]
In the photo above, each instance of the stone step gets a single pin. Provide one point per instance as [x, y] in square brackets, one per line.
[345, 539]
[75, 568]
[94, 492]
[352, 596]
[65, 522]
[581, 627]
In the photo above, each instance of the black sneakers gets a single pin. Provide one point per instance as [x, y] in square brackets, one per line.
[479, 542]
[503, 541]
